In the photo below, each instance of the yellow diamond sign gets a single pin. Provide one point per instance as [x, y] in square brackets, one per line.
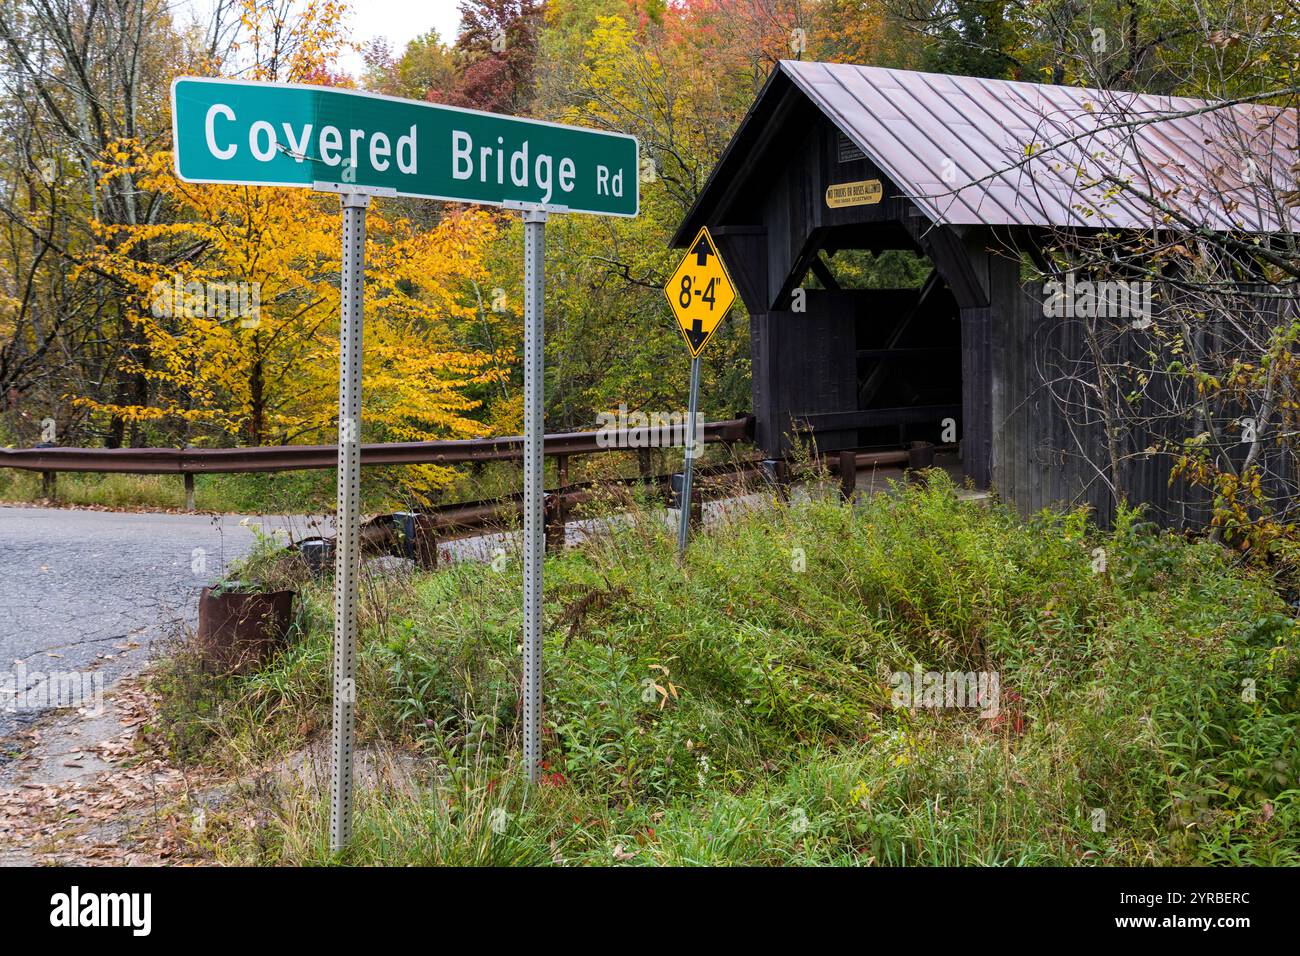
[700, 292]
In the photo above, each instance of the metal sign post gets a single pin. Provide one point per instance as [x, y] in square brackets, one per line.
[361, 145]
[691, 438]
[699, 292]
[347, 566]
[347, 545]
[534, 366]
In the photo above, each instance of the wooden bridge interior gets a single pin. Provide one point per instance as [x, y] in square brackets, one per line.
[906, 345]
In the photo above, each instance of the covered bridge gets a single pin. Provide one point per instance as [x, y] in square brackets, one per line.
[973, 174]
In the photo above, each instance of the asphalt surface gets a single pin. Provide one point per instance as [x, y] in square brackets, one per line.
[100, 592]
[96, 591]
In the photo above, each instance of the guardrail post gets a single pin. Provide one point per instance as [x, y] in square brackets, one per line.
[848, 474]
[557, 508]
[777, 474]
[48, 487]
[557, 515]
[404, 530]
[920, 455]
[189, 491]
[426, 548]
[417, 541]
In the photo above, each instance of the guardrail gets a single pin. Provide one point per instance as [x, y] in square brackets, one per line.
[189, 462]
[417, 535]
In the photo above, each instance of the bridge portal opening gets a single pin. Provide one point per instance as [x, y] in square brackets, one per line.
[906, 337]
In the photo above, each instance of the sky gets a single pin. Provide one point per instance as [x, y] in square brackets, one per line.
[397, 20]
[400, 21]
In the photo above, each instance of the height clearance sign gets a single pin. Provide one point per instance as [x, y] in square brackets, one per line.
[284, 134]
[700, 292]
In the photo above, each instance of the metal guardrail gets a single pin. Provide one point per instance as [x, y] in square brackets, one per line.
[201, 461]
[206, 461]
[417, 536]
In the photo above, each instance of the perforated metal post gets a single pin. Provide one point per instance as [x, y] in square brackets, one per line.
[683, 525]
[534, 341]
[347, 566]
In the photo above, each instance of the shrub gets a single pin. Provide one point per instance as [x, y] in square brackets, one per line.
[737, 707]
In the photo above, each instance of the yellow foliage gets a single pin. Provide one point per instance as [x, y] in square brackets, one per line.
[241, 322]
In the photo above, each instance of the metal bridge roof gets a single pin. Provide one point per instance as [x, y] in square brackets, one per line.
[968, 150]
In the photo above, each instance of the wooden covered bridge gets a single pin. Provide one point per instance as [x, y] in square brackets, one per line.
[833, 158]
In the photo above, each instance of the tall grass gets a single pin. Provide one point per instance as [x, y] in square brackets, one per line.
[291, 492]
[312, 492]
[736, 708]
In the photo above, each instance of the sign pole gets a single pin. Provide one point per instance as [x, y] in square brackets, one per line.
[699, 293]
[683, 525]
[534, 365]
[276, 134]
[347, 565]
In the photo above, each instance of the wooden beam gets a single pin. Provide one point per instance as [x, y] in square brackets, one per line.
[809, 254]
[951, 260]
[744, 250]
[874, 417]
[823, 274]
[875, 379]
[754, 153]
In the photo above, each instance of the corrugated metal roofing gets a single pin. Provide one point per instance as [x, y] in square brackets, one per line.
[959, 147]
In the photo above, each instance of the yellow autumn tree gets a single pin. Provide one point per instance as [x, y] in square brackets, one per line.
[235, 293]
[241, 316]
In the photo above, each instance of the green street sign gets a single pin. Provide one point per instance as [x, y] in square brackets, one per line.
[290, 134]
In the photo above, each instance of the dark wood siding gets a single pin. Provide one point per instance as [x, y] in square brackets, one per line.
[805, 364]
[1018, 369]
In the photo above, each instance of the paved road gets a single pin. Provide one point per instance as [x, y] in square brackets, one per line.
[93, 592]
[78, 588]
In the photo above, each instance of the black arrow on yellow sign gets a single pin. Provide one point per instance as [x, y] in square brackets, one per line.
[701, 252]
[695, 335]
